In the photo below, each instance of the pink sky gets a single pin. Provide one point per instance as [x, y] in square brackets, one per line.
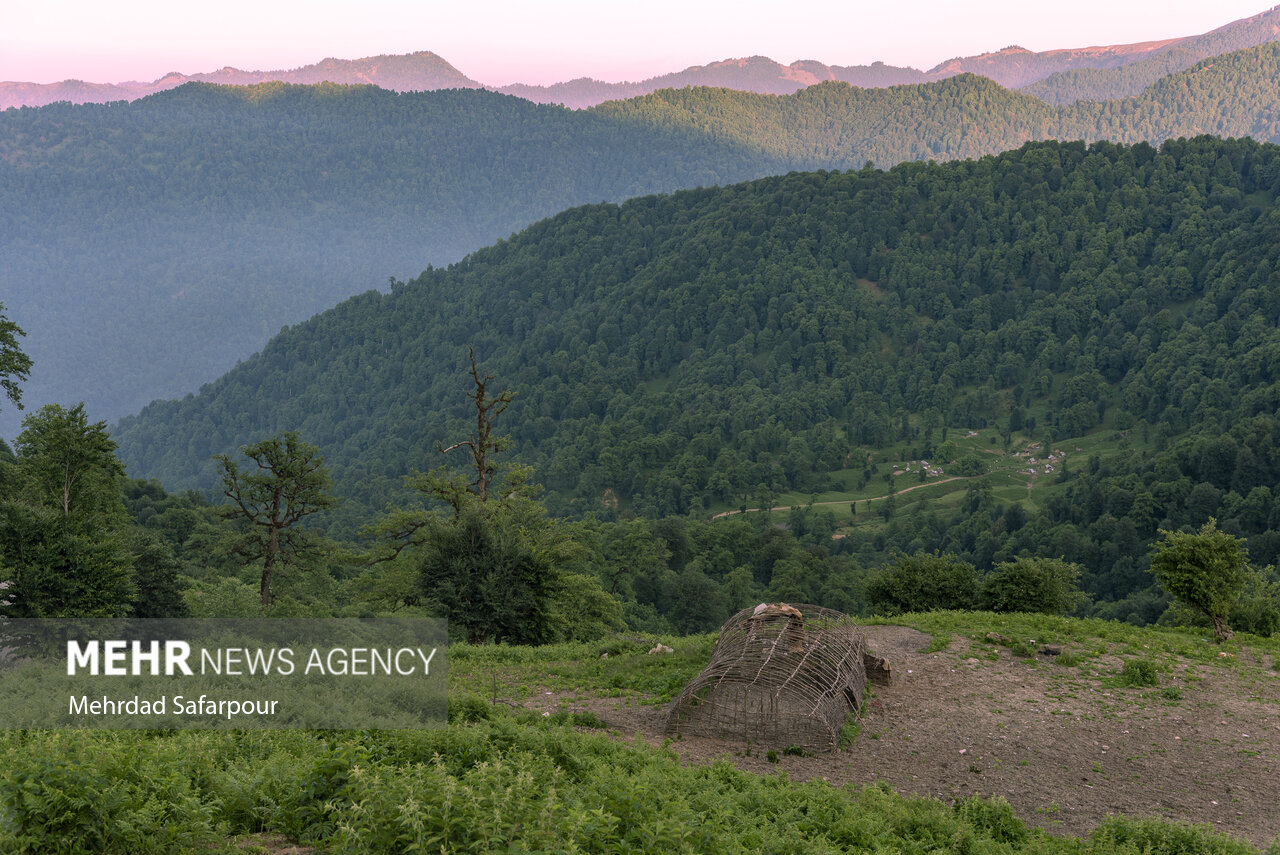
[505, 41]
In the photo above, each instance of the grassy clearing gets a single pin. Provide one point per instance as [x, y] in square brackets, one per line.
[619, 667]
[502, 779]
[1007, 474]
[496, 783]
[1085, 641]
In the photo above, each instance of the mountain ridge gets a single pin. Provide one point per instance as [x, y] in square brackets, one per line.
[186, 228]
[1012, 67]
[417, 71]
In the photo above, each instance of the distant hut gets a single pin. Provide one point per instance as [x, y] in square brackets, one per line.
[780, 675]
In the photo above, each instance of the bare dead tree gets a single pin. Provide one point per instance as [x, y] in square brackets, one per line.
[482, 443]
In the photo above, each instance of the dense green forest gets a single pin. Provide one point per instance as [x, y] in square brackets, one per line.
[968, 396]
[659, 361]
[79, 539]
[968, 116]
[810, 334]
[184, 229]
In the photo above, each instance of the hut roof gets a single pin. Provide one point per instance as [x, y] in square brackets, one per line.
[780, 674]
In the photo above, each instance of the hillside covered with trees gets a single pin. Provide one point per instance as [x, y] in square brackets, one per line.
[717, 348]
[185, 229]
[1108, 81]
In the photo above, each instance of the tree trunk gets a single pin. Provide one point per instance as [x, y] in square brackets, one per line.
[268, 565]
[265, 589]
[1221, 631]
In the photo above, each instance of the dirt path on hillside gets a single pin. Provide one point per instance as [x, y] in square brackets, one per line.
[1064, 748]
[864, 499]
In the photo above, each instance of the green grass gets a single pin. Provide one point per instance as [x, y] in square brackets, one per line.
[629, 671]
[503, 778]
[1085, 640]
[497, 784]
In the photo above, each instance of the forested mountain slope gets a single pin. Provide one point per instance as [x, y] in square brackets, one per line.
[1101, 82]
[145, 247]
[968, 116]
[716, 345]
[184, 229]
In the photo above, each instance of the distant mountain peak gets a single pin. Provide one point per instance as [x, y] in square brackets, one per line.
[1013, 66]
[418, 71]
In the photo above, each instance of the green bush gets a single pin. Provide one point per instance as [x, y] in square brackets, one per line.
[971, 465]
[103, 794]
[1158, 837]
[467, 708]
[921, 582]
[1045, 585]
[1257, 610]
[1206, 570]
[1138, 673]
[994, 819]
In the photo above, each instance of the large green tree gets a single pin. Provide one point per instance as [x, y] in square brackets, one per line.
[14, 364]
[1206, 570]
[63, 529]
[286, 483]
[68, 462]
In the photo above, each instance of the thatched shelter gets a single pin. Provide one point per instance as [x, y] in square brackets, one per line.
[780, 675]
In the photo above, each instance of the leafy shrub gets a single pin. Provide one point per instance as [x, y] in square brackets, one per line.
[920, 583]
[102, 795]
[1258, 608]
[1045, 585]
[1206, 570]
[466, 708]
[1156, 837]
[994, 818]
[1138, 673]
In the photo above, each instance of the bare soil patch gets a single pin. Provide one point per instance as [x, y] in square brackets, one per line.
[1064, 745]
[270, 844]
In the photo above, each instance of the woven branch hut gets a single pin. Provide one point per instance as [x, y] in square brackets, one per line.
[780, 675]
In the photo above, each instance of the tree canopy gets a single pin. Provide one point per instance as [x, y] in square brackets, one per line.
[1207, 570]
[14, 364]
[286, 483]
[63, 529]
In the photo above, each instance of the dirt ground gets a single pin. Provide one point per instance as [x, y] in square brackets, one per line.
[1064, 748]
